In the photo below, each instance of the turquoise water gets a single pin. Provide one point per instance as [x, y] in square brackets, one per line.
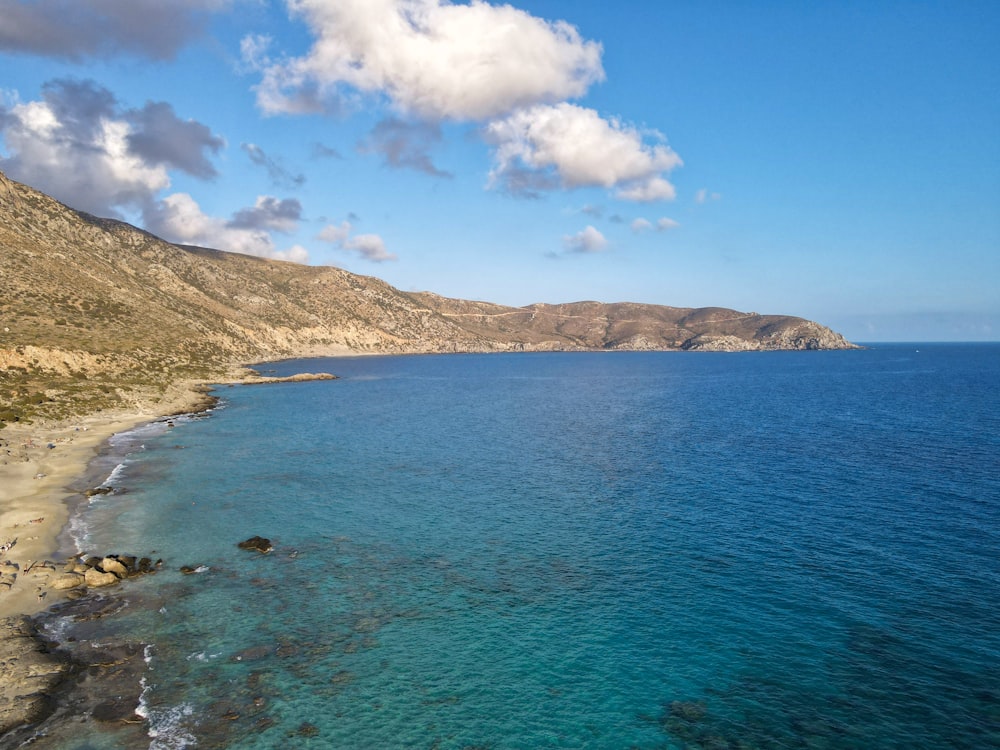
[662, 550]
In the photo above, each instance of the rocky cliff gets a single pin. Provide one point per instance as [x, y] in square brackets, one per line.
[93, 310]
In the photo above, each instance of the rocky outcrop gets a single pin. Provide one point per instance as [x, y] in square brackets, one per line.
[30, 674]
[99, 572]
[257, 544]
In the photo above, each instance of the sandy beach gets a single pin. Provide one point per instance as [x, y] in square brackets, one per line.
[42, 466]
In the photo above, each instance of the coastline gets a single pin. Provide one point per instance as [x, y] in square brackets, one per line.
[38, 481]
[42, 467]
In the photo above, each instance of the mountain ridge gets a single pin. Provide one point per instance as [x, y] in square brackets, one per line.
[95, 310]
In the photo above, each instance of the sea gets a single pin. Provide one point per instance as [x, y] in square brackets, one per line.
[560, 550]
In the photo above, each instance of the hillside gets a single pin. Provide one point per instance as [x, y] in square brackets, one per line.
[94, 312]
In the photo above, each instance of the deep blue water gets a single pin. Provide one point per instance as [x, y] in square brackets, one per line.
[650, 550]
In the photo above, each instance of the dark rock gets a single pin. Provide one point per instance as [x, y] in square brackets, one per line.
[115, 710]
[188, 570]
[97, 491]
[145, 565]
[307, 730]
[254, 653]
[258, 543]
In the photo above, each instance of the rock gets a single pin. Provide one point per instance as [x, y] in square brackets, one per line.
[128, 561]
[115, 710]
[307, 730]
[189, 569]
[68, 581]
[258, 543]
[97, 491]
[111, 565]
[95, 578]
[145, 565]
[31, 673]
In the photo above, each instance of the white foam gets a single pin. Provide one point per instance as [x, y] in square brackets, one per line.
[168, 727]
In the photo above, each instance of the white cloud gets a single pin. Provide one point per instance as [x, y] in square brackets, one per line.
[641, 225]
[664, 224]
[431, 58]
[93, 171]
[79, 146]
[702, 196]
[294, 254]
[588, 240]
[178, 218]
[581, 149]
[336, 235]
[368, 246]
[647, 190]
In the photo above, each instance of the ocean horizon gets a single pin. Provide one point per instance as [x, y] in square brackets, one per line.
[561, 550]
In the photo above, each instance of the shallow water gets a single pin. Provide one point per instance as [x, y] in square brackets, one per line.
[654, 550]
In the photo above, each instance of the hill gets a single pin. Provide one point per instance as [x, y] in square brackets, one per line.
[95, 312]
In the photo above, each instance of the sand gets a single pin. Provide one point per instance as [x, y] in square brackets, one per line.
[41, 466]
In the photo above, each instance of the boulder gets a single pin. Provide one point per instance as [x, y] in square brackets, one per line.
[258, 543]
[68, 581]
[111, 565]
[95, 578]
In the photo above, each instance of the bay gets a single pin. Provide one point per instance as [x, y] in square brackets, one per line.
[652, 550]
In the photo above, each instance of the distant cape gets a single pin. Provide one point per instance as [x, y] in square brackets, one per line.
[86, 298]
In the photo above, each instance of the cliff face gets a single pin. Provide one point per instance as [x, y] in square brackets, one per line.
[91, 309]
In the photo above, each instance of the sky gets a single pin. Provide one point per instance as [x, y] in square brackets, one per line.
[839, 161]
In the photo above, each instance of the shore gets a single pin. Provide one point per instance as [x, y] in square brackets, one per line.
[40, 465]
[41, 468]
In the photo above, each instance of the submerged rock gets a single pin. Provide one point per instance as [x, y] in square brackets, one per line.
[258, 543]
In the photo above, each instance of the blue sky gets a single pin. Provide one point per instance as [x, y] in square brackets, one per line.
[838, 161]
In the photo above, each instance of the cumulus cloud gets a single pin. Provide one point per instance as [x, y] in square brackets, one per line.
[335, 234]
[588, 240]
[368, 246]
[664, 224]
[641, 225]
[178, 218]
[78, 145]
[276, 171]
[431, 58]
[160, 137]
[81, 29]
[578, 148]
[268, 213]
[432, 61]
[405, 145]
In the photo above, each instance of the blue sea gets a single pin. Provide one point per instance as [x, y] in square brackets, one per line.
[567, 550]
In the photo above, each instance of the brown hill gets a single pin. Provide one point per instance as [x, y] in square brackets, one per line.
[94, 311]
